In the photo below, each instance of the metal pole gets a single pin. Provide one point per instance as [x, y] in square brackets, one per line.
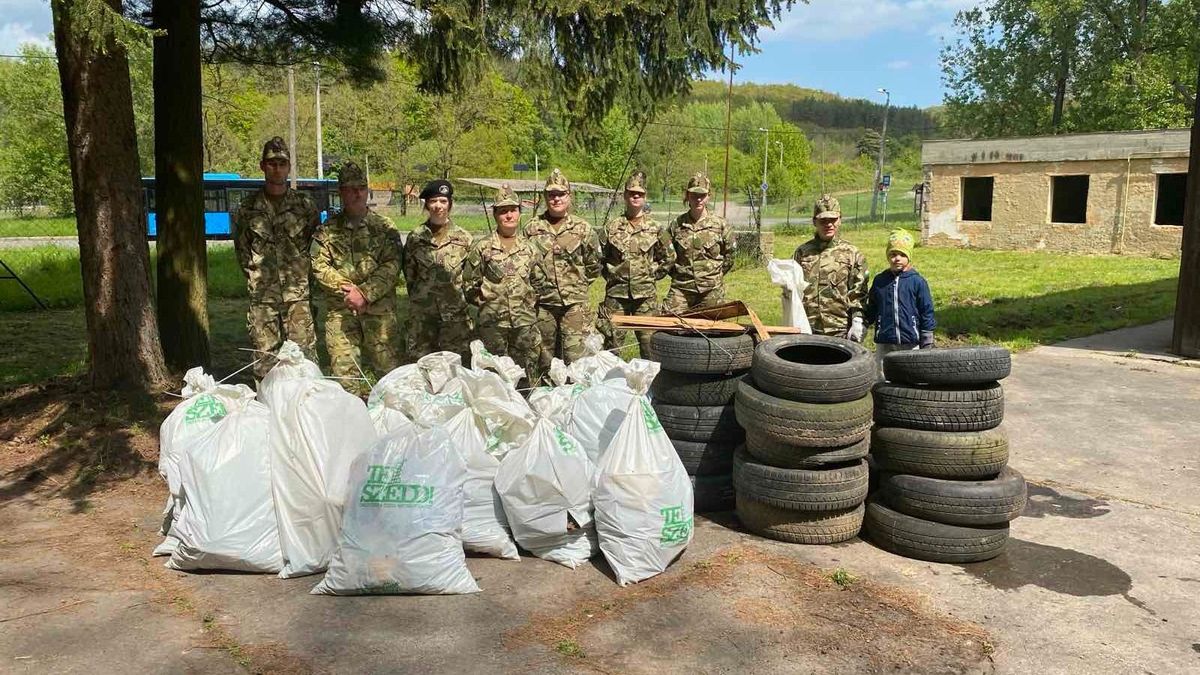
[728, 139]
[320, 155]
[766, 145]
[292, 120]
[882, 144]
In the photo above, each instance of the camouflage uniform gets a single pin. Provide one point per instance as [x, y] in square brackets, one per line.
[567, 258]
[272, 239]
[634, 255]
[364, 252]
[704, 253]
[437, 310]
[838, 281]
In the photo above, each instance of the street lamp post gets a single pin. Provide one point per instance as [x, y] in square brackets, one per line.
[779, 144]
[766, 145]
[882, 144]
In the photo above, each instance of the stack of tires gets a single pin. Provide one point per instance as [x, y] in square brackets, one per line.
[693, 397]
[945, 492]
[801, 476]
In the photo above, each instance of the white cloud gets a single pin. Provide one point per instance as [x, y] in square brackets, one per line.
[899, 65]
[850, 20]
[24, 21]
[13, 35]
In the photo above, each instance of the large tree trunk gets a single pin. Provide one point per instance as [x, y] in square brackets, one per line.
[1186, 339]
[178, 178]
[123, 346]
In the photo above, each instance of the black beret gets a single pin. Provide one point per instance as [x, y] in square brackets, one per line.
[437, 188]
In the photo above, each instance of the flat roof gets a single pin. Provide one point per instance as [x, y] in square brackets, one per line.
[1112, 145]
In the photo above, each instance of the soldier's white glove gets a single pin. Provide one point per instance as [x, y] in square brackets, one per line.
[856, 331]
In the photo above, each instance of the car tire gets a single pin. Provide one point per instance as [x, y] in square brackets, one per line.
[699, 423]
[799, 527]
[690, 389]
[922, 539]
[940, 454]
[813, 368]
[964, 365]
[956, 502]
[814, 425]
[702, 354]
[941, 408]
[788, 456]
[705, 458]
[828, 489]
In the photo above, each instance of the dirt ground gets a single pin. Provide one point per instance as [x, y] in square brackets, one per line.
[1100, 575]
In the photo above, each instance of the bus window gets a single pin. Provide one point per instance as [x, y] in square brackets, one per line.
[214, 201]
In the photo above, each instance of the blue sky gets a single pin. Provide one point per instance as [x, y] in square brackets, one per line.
[849, 47]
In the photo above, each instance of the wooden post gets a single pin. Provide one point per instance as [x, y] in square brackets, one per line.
[1186, 338]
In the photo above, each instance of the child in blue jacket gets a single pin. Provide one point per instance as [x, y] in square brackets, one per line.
[899, 304]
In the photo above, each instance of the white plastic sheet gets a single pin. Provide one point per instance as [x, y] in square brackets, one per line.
[401, 527]
[195, 415]
[643, 501]
[545, 486]
[789, 276]
[228, 520]
[319, 430]
[597, 414]
[485, 528]
[504, 366]
[290, 364]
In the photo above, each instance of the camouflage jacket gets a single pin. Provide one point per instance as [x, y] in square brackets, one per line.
[634, 257]
[704, 252]
[433, 271]
[272, 245]
[836, 272]
[364, 252]
[500, 282]
[567, 257]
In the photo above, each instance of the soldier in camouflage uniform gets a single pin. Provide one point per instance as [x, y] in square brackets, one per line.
[272, 231]
[567, 257]
[704, 250]
[434, 255]
[636, 251]
[836, 272]
[498, 276]
[356, 262]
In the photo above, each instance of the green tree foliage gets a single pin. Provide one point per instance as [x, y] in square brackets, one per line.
[33, 157]
[1042, 66]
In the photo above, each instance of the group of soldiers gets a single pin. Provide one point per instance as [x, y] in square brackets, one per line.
[522, 290]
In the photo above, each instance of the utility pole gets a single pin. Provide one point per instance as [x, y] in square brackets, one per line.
[882, 144]
[766, 146]
[320, 155]
[292, 121]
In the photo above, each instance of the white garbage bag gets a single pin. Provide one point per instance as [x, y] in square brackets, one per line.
[545, 486]
[643, 496]
[199, 411]
[320, 428]
[505, 415]
[485, 528]
[597, 364]
[556, 403]
[407, 392]
[290, 364]
[438, 369]
[400, 529]
[228, 520]
[387, 396]
[504, 366]
[597, 414]
[789, 276]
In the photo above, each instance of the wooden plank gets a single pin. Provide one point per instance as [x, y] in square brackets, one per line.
[758, 326]
[725, 310]
[672, 323]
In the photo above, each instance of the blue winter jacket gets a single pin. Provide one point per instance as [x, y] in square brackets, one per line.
[901, 307]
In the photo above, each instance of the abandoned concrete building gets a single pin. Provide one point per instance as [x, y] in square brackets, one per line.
[1080, 193]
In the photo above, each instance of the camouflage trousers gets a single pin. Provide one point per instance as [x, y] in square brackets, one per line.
[523, 345]
[269, 324]
[428, 333]
[613, 337]
[678, 300]
[367, 340]
[824, 324]
[563, 330]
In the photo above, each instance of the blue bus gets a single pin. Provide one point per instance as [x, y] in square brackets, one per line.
[223, 192]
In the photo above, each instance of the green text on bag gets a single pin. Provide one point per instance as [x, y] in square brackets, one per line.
[206, 407]
[386, 487]
[676, 529]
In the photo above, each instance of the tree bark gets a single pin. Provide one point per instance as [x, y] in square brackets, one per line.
[1186, 338]
[178, 178]
[123, 345]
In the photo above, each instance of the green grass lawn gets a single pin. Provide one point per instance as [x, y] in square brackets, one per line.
[1016, 298]
[37, 227]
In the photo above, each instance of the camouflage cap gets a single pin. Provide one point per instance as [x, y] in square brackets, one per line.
[506, 196]
[636, 182]
[827, 206]
[276, 148]
[351, 175]
[557, 181]
[698, 184]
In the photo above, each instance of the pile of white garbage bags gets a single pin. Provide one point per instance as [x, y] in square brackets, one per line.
[442, 459]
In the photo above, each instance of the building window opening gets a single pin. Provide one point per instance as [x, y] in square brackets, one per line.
[1168, 206]
[1068, 199]
[977, 198]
